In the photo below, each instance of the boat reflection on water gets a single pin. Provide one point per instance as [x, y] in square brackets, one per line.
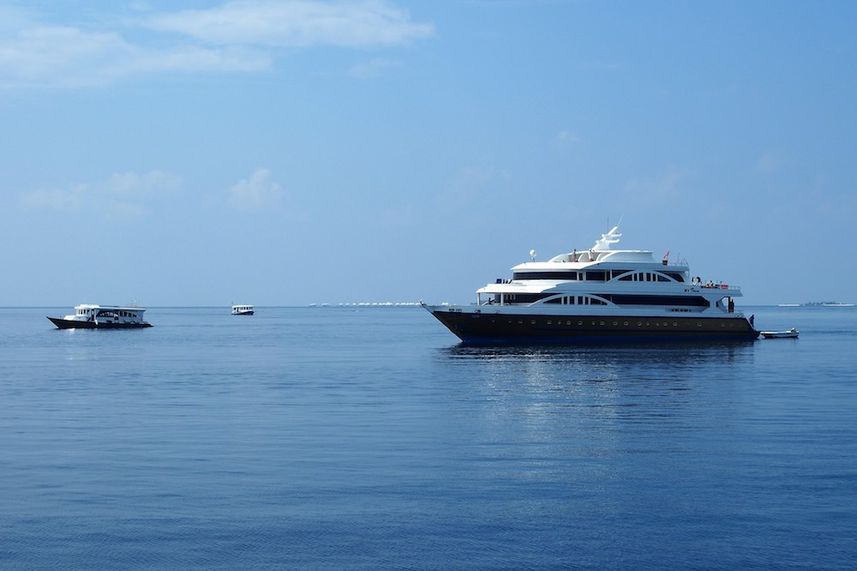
[642, 354]
[557, 390]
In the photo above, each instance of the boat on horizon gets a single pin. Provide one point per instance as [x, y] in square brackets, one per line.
[243, 310]
[88, 316]
[599, 295]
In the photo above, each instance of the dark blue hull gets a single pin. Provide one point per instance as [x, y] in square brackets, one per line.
[500, 329]
[75, 324]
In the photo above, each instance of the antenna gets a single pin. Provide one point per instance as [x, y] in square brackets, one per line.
[533, 255]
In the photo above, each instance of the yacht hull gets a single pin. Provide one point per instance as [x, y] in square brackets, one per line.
[243, 313]
[521, 328]
[75, 324]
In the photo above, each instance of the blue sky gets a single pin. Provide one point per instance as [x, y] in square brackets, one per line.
[286, 153]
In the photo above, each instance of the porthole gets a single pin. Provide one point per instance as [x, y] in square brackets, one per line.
[699, 324]
[550, 322]
[647, 324]
[675, 324]
[602, 323]
[639, 323]
[568, 322]
[580, 323]
[520, 322]
[533, 322]
[625, 324]
[615, 324]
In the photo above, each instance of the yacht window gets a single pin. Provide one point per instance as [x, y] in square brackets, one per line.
[526, 297]
[549, 275]
[662, 278]
[595, 276]
[680, 300]
[677, 276]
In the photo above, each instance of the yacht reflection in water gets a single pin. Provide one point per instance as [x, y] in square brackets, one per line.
[560, 379]
[643, 354]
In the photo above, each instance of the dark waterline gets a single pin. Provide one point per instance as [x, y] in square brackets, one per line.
[366, 438]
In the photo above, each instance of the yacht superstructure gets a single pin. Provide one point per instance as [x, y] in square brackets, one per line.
[601, 294]
[88, 316]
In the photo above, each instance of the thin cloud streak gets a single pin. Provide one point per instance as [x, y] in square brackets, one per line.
[300, 23]
[257, 191]
[63, 56]
[125, 193]
[372, 68]
[244, 36]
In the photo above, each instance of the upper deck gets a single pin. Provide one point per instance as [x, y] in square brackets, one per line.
[608, 275]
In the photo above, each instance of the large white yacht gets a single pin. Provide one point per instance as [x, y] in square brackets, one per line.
[102, 317]
[599, 295]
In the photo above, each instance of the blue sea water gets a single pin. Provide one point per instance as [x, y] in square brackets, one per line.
[362, 439]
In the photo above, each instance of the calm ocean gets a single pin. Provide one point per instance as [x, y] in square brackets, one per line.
[343, 438]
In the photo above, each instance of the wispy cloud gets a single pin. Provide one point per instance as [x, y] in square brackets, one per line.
[372, 68]
[125, 193]
[565, 137]
[668, 185]
[239, 36]
[473, 183]
[257, 191]
[769, 162]
[298, 23]
[61, 56]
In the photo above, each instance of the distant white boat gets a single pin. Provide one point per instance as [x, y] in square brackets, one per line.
[787, 334]
[788, 305]
[243, 310]
[837, 304]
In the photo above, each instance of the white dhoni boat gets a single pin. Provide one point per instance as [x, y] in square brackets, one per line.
[102, 317]
[243, 310]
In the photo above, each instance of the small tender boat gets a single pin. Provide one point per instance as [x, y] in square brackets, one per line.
[242, 310]
[788, 334]
[102, 317]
